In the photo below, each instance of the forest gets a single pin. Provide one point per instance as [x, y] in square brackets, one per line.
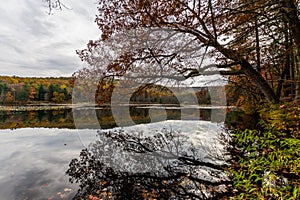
[24, 90]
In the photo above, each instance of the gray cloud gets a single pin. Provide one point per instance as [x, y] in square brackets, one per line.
[33, 43]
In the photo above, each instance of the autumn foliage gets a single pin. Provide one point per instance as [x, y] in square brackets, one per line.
[21, 90]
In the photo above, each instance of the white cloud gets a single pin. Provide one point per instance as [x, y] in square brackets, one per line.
[33, 43]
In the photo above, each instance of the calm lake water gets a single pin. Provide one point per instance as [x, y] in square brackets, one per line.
[36, 147]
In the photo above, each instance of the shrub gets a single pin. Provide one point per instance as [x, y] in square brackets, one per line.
[266, 162]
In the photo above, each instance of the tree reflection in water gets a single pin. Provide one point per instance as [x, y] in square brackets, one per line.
[164, 165]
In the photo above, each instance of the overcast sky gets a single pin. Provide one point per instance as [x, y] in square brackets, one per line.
[33, 43]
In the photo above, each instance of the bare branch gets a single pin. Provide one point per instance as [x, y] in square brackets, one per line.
[55, 4]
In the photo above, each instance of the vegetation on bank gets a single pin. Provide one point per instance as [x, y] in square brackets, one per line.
[266, 160]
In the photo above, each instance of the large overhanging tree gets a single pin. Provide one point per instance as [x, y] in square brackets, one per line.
[235, 33]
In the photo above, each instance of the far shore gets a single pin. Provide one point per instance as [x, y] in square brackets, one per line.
[45, 106]
[35, 107]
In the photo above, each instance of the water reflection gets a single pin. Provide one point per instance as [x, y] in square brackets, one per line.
[36, 118]
[166, 160]
[63, 118]
[33, 161]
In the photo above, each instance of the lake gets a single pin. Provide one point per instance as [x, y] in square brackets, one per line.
[36, 147]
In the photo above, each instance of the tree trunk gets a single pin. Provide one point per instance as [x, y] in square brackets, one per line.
[247, 68]
[290, 12]
[297, 77]
[261, 83]
[257, 48]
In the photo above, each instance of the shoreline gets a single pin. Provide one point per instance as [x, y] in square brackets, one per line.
[33, 107]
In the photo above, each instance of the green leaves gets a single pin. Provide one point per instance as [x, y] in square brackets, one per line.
[267, 167]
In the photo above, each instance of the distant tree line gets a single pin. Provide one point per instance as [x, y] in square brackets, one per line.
[32, 91]
[152, 94]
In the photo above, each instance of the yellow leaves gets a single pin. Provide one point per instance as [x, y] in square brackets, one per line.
[62, 120]
[32, 93]
[101, 194]
[9, 97]
[146, 194]
[106, 86]
[58, 97]
[103, 183]
[284, 118]
[13, 80]
[63, 86]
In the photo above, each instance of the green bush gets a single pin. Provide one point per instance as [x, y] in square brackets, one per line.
[266, 162]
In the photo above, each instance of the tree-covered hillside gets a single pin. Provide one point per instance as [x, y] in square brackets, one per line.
[25, 90]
